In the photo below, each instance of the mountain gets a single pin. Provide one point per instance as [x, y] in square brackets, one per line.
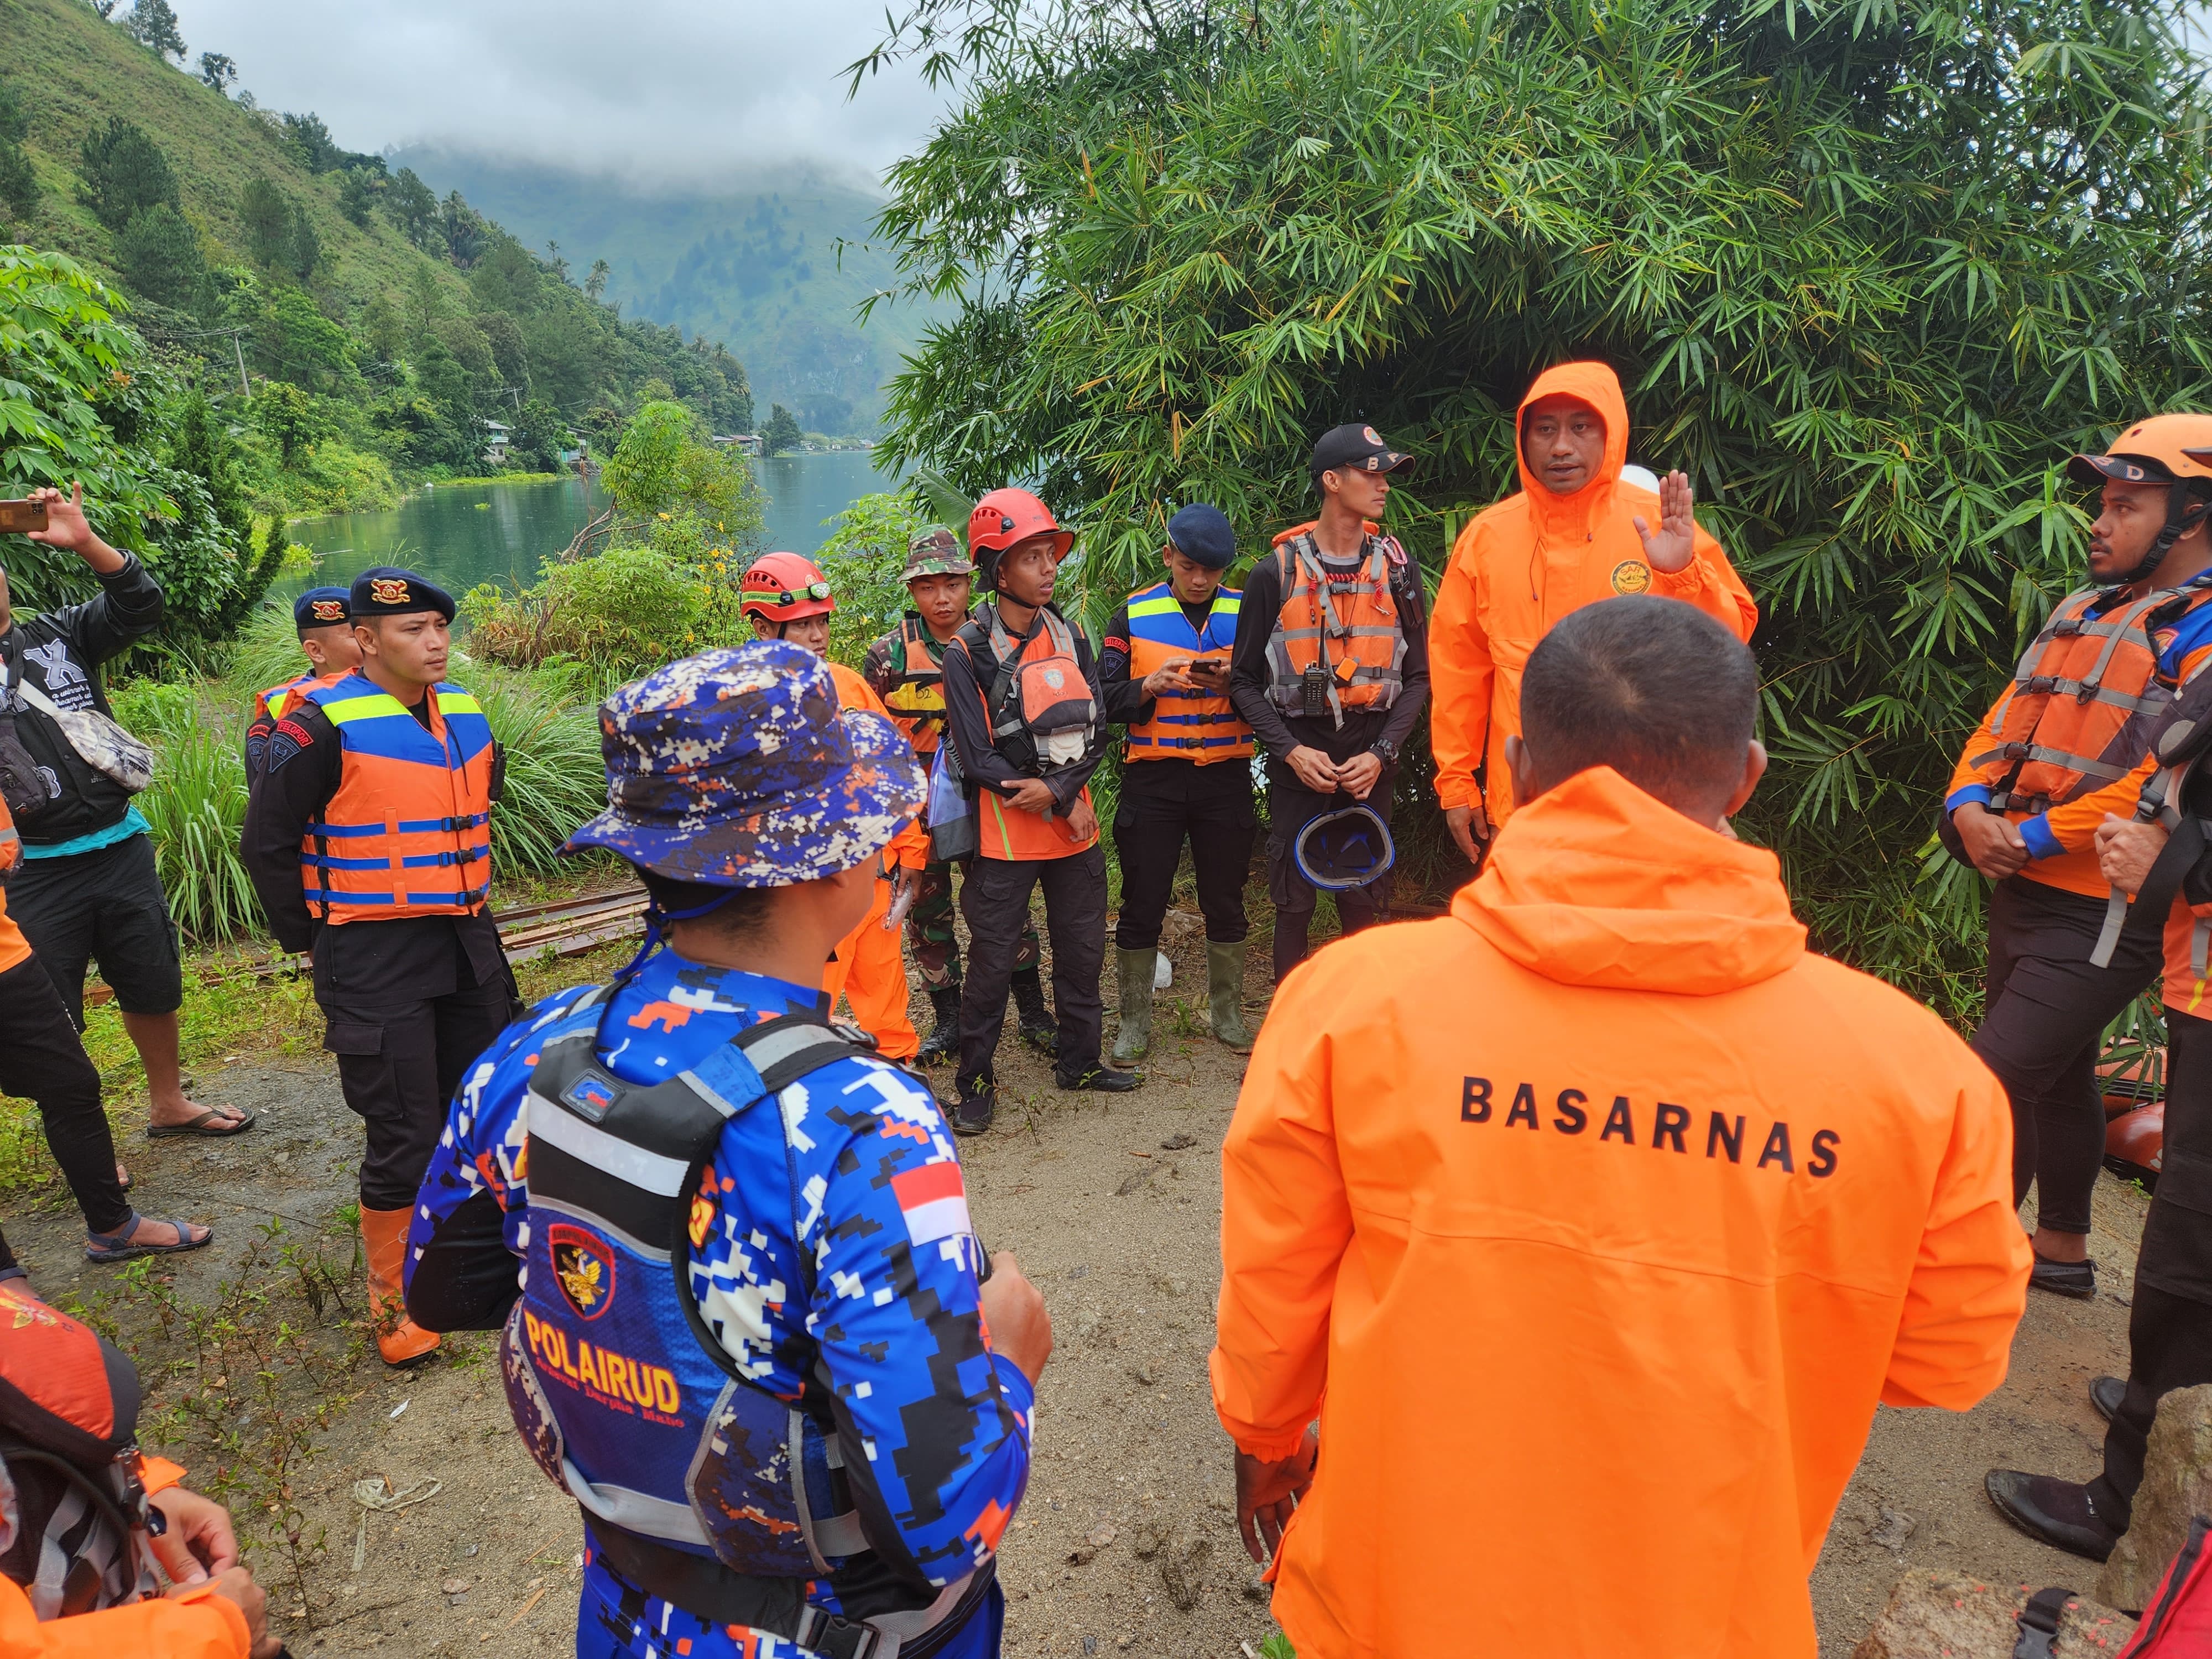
[775, 269]
[73, 72]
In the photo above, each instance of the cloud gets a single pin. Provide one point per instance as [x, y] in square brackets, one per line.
[681, 92]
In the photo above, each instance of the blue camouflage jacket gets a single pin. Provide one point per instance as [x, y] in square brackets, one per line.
[884, 1221]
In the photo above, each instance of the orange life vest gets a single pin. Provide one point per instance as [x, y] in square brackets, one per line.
[916, 699]
[276, 701]
[1042, 717]
[408, 832]
[2083, 702]
[1350, 632]
[1202, 726]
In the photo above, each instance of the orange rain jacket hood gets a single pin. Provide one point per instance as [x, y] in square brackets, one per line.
[1520, 566]
[1591, 1221]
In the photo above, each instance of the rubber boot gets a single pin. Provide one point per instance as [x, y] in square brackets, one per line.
[1135, 1038]
[942, 1041]
[384, 1241]
[1037, 1026]
[1225, 991]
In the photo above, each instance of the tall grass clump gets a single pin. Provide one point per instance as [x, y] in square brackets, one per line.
[554, 778]
[196, 806]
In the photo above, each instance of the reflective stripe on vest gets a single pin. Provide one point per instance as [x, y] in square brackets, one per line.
[625, 1397]
[1195, 725]
[916, 698]
[1351, 630]
[2085, 700]
[409, 800]
[277, 699]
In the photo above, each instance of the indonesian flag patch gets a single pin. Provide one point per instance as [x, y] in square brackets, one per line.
[934, 1202]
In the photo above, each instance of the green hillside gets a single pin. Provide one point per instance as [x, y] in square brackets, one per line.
[72, 72]
[758, 266]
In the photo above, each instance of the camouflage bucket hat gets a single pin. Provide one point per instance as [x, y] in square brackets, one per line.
[736, 767]
[936, 551]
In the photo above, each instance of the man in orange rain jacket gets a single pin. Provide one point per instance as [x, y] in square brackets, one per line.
[1593, 1219]
[788, 597]
[1576, 532]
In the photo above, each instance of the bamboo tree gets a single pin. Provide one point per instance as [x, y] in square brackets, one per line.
[1869, 271]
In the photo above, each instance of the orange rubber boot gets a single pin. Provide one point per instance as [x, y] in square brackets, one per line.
[384, 1237]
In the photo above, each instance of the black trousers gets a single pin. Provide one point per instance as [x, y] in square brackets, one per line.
[1163, 803]
[1290, 807]
[2170, 1326]
[995, 897]
[104, 906]
[400, 1059]
[2048, 1007]
[43, 1060]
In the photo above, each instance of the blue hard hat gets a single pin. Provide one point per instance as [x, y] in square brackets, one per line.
[1201, 534]
[1344, 849]
[737, 767]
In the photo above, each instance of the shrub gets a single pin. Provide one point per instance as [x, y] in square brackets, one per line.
[195, 804]
[623, 613]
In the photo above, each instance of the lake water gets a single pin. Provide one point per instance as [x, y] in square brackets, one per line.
[473, 533]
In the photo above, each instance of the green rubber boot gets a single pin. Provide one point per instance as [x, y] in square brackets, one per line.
[1225, 991]
[1135, 1037]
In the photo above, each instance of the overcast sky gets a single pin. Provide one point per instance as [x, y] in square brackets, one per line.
[683, 90]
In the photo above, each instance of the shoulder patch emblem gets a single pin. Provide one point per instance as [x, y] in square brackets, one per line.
[1632, 576]
[585, 1265]
[287, 740]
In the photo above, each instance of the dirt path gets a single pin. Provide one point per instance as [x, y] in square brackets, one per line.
[1113, 1205]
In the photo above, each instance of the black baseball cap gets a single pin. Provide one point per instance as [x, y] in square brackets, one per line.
[321, 607]
[1201, 534]
[1356, 446]
[386, 590]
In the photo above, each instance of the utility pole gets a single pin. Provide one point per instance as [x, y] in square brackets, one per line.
[240, 350]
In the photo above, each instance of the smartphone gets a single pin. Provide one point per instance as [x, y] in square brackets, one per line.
[19, 516]
[1208, 668]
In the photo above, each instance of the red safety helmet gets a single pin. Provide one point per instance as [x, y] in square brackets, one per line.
[783, 587]
[1006, 518]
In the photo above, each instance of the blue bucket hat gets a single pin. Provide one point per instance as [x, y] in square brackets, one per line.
[1344, 849]
[735, 768]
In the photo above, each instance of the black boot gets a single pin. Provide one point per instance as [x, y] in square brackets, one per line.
[977, 1105]
[1100, 1080]
[942, 1041]
[1038, 1028]
[2058, 1512]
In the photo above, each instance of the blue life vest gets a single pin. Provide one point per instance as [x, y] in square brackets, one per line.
[703, 1487]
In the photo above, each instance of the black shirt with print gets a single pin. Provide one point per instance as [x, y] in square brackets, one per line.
[60, 653]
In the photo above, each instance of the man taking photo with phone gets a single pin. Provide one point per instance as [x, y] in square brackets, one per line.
[88, 890]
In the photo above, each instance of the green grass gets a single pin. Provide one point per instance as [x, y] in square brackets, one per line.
[500, 478]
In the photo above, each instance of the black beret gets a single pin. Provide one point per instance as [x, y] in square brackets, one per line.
[320, 607]
[1201, 534]
[386, 590]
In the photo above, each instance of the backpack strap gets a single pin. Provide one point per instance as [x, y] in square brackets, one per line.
[2039, 1624]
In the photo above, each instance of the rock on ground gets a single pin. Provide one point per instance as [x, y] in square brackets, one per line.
[1935, 1613]
[2177, 1485]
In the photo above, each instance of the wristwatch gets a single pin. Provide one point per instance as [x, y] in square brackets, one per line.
[1383, 749]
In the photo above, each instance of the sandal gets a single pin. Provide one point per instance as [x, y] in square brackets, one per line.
[118, 1246]
[198, 1127]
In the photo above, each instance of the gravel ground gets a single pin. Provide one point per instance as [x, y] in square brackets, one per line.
[1127, 1541]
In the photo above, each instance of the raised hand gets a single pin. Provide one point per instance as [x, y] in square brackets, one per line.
[1672, 546]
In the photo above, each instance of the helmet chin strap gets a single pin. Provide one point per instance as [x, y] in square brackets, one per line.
[2183, 513]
